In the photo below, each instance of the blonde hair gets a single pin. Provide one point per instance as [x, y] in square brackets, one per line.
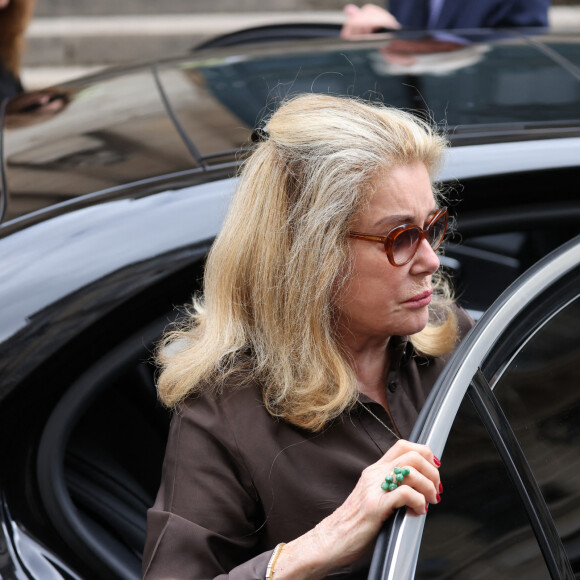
[282, 257]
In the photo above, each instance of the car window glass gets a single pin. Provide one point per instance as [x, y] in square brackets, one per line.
[565, 45]
[476, 78]
[215, 130]
[540, 395]
[480, 529]
[103, 134]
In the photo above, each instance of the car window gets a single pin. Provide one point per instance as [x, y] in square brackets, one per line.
[486, 78]
[107, 133]
[540, 395]
[480, 528]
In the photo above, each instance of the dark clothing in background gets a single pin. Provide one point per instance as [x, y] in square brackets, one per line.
[472, 13]
[9, 85]
[236, 482]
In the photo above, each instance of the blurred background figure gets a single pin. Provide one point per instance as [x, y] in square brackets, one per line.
[14, 18]
[445, 14]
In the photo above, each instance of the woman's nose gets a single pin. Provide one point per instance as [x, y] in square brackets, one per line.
[426, 259]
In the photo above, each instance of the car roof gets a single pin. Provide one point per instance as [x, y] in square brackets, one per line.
[190, 117]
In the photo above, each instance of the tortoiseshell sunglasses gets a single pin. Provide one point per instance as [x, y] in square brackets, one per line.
[402, 242]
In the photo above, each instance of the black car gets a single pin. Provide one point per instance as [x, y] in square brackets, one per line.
[112, 197]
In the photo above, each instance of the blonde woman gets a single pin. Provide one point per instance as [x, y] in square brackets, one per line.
[321, 329]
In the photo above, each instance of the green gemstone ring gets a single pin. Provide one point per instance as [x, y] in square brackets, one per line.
[395, 479]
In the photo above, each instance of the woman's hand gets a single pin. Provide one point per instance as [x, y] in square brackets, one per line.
[347, 534]
[366, 20]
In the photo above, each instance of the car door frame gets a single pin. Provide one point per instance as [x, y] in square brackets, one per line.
[397, 548]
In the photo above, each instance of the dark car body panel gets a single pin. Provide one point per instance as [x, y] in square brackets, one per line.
[56, 284]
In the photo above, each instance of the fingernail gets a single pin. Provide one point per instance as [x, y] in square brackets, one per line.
[438, 498]
[440, 487]
[426, 507]
[437, 461]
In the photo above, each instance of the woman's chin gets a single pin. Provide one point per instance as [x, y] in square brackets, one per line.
[417, 323]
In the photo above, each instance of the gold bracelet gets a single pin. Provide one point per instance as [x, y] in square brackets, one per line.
[273, 558]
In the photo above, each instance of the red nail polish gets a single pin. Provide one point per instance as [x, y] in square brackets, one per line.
[440, 487]
[438, 498]
[426, 507]
[436, 461]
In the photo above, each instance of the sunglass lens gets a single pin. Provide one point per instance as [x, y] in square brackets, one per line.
[437, 231]
[405, 246]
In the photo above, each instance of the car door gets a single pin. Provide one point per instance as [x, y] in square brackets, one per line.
[505, 419]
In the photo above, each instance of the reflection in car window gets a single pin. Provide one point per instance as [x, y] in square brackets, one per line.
[488, 78]
[111, 132]
[480, 529]
[540, 395]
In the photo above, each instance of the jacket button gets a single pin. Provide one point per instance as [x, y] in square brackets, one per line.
[392, 386]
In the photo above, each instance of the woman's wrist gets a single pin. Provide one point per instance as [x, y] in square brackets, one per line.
[272, 561]
[305, 558]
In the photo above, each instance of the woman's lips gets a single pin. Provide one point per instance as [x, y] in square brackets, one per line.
[420, 300]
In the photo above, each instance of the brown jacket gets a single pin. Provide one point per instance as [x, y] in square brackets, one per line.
[236, 481]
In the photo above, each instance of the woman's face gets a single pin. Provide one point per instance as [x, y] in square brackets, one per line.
[383, 300]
